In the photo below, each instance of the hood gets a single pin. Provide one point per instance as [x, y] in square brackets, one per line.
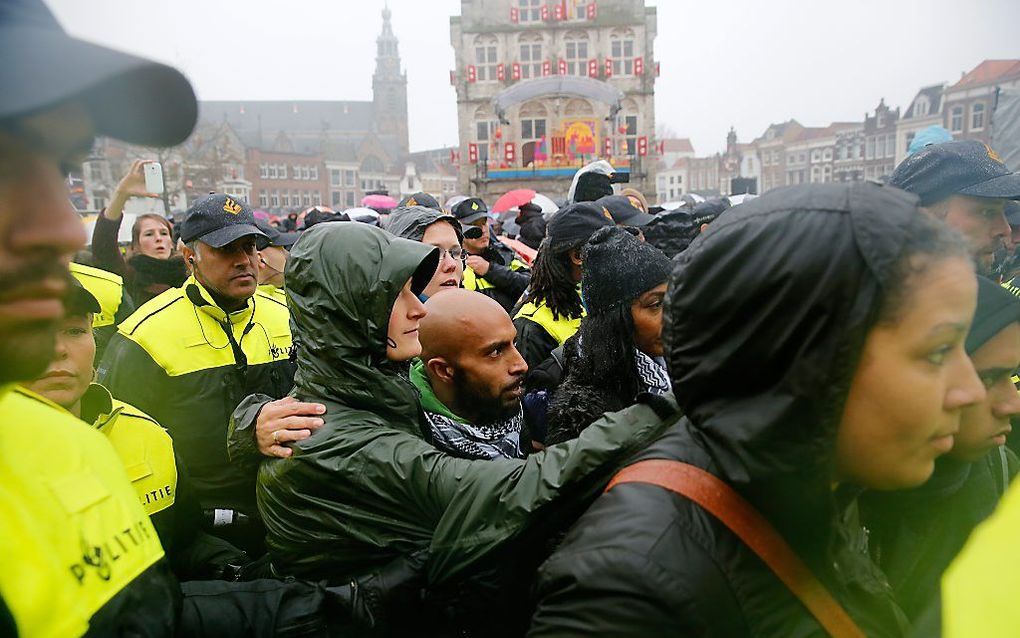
[342, 281]
[601, 167]
[410, 222]
[766, 316]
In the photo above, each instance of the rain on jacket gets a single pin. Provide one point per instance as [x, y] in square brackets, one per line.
[174, 360]
[758, 292]
[366, 487]
[539, 333]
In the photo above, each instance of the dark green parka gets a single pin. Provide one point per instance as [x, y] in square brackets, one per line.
[367, 487]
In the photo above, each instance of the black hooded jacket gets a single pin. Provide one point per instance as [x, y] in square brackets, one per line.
[766, 318]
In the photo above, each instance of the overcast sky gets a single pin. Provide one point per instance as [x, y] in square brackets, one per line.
[744, 63]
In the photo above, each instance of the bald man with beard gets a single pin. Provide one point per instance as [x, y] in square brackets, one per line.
[470, 377]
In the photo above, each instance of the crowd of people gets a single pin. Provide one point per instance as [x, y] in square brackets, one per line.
[785, 417]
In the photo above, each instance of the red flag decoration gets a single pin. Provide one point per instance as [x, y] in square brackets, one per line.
[453, 78]
[558, 11]
[662, 147]
[609, 68]
[593, 68]
[546, 67]
[639, 66]
[607, 147]
[515, 71]
[656, 69]
[515, 15]
[545, 13]
[642, 146]
[500, 72]
[473, 153]
[454, 156]
[562, 66]
[509, 152]
[593, 11]
[472, 74]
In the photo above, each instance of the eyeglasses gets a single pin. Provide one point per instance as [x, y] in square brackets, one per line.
[457, 253]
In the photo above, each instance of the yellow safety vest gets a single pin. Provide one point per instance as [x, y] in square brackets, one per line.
[274, 292]
[74, 534]
[559, 329]
[473, 282]
[106, 287]
[142, 444]
[979, 588]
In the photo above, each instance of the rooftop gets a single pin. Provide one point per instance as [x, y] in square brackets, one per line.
[989, 72]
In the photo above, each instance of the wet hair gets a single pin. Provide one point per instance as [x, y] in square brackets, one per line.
[929, 242]
[136, 228]
[603, 353]
[552, 279]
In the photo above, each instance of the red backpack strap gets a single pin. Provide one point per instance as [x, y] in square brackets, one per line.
[720, 500]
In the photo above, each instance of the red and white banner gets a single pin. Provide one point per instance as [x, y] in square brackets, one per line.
[500, 72]
[609, 68]
[546, 67]
[473, 153]
[642, 146]
[545, 13]
[607, 147]
[515, 72]
[515, 15]
[593, 68]
[509, 152]
[454, 156]
[562, 67]
[639, 66]
[559, 11]
[593, 11]
[472, 74]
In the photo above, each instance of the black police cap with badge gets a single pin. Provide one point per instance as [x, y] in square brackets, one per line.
[219, 219]
[962, 167]
[469, 211]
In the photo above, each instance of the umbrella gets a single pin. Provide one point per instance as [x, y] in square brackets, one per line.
[525, 252]
[261, 214]
[513, 199]
[547, 204]
[378, 201]
[453, 201]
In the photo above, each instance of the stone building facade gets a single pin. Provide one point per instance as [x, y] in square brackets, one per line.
[518, 126]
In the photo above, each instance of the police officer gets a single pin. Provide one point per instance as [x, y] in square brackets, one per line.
[80, 553]
[144, 447]
[492, 267]
[273, 260]
[189, 355]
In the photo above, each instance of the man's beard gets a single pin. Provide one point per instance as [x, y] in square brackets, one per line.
[484, 407]
[27, 347]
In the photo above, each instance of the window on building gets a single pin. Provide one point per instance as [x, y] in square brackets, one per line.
[306, 198]
[816, 155]
[630, 122]
[921, 106]
[869, 148]
[283, 171]
[264, 171]
[531, 56]
[827, 155]
[306, 172]
[977, 116]
[273, 173]
[350, 178]
[334, 177]
[285, 199]
[263, 199]
[349, 199]
[956, 119]
[532, 129]
[530, 10]
[621, 48]
[313, 172]
[336, 198]
[580, 9]
[485, 60]
[576, 54]
[890, 145]
[274, 200]
[316, 198]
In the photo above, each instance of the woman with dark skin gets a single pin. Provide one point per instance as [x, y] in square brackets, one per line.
[151, 266]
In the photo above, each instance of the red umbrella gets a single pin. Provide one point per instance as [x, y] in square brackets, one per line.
[513, 199]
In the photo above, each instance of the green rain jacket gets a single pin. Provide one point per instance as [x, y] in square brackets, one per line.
[366, 487]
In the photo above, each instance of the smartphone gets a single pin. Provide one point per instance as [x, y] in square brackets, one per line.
[154, 178]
